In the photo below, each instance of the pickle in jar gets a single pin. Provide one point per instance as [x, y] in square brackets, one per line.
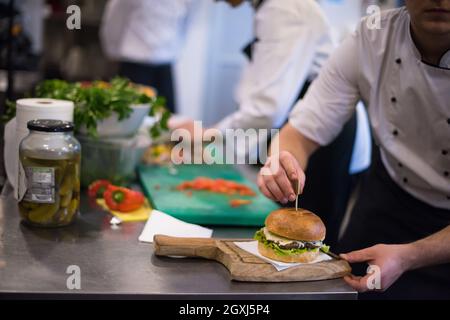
[50, 157]
[65, 200]
[70, 181]
[45, 213]
[61, 189]
[72, 210]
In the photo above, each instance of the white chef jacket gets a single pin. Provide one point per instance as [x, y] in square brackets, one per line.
[408, 102]
[294, 40]
[145, 31]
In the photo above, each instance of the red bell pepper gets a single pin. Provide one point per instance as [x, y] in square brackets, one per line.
[97, 188]
[123, 199]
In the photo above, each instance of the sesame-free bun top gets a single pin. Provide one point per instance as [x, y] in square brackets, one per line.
[301, 225]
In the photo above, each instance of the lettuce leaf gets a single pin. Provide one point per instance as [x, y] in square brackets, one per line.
[284, 252]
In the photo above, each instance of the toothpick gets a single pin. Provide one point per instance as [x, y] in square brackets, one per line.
[298, 194]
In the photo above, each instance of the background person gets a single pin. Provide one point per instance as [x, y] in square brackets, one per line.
[146, 36]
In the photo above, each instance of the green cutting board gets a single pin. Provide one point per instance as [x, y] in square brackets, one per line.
[159, 184]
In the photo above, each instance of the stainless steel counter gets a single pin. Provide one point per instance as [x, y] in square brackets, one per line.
[113, 264]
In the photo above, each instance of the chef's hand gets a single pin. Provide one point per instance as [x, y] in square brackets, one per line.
[279, 178]
[182, 124]
[390, 261]
[191, 127]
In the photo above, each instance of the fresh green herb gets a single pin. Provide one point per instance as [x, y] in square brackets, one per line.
[98, 100]
[159, 111]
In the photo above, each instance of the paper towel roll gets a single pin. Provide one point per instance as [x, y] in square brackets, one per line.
[16, 129]
[33, 109]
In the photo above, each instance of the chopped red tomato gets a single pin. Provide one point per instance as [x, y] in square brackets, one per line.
[216, 186]
[239, 203]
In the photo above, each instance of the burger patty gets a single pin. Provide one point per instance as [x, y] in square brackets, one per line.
[299, 245]
[289, 244]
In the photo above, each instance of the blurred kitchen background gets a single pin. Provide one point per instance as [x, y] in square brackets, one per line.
[206, 71]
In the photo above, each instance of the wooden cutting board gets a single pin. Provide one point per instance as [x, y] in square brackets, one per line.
[244, 266]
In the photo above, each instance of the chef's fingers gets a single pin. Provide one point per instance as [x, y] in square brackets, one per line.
[287, 177]
[175, 124]
[263, 188]
[293, 171]
[357, 283]
[285, 185]
[262, 181]
[288, 163]
[358, 256]
[273, 187]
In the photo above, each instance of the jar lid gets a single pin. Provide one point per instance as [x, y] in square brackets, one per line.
[50, 126]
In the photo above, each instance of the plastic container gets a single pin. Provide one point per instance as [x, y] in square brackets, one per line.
[49, 174]
[115, 160]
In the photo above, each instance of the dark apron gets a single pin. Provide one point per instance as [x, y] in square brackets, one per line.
[159, 77]
[385, 213]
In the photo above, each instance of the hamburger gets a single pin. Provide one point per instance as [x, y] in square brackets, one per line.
[292, 236]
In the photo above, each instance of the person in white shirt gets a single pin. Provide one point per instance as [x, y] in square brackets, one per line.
[146, 36]
[293, 41]
[402, 217]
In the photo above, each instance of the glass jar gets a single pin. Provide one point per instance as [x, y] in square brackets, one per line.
[49, 174]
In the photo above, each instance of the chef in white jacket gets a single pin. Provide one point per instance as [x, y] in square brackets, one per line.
[146, 36]
[401, 221]
[293, 41]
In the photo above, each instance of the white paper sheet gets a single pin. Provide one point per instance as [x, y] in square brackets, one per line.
[164, 224]
[252, 247]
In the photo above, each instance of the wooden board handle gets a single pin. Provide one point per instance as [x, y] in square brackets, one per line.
[185, 247]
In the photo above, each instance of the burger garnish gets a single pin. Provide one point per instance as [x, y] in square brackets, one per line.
[285, 246]
[292, 236]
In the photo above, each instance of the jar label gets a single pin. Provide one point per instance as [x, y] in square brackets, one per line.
[40, 185]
